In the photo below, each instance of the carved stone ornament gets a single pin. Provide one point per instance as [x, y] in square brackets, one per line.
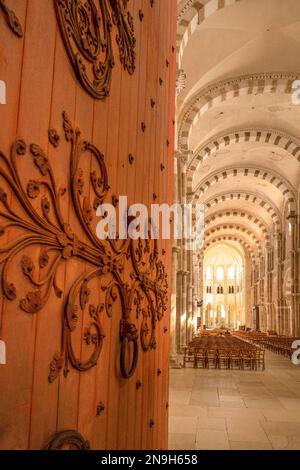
[67, 440]
[180, 81]
[11, 19]
[132, 279]
[86, 28]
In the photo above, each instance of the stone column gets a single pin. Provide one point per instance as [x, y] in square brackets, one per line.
[175, 319]
[183, 312]
[249, 295]
[200, 288]
[269, 288]
[280, 300]
[184, 271]
[262, 299]
[176, 277]
[195, 289]
[182, 315]
[293, 219]
[189, 295]
[272, 293]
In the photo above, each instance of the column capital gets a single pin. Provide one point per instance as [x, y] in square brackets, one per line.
[198, 257]
[183, 156]
[176, 249]
[277, 235]
[292, 218]
[183, 273]
[180, 81]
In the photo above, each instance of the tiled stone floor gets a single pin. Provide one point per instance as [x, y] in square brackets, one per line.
[239, 410]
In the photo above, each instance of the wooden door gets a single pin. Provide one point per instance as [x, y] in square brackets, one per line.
[89, 116]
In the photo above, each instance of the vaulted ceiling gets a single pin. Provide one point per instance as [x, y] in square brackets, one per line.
[237, 61]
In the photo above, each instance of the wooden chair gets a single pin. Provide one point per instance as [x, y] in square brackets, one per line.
[260, 359]
[200, 358]
[248, 359]
[224, 359]
[211, 359]
[235, 359]
[189, 356]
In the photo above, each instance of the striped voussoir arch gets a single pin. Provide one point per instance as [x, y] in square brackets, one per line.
[272, 137]
[232, 227]
[252, 198]
[191, 14]
[252, 252]
[207, 98]
[243, 215]
[241, 171]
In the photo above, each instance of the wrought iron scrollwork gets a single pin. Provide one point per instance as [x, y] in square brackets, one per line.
[11, 19]
[86, 31]
[131, 276]
[125, 37]
[67, 440]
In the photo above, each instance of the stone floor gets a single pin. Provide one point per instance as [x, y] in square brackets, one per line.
[239, 410]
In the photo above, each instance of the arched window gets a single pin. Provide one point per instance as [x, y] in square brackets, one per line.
[220, 273]
[231, 273]
[209, 274]
[223, 314]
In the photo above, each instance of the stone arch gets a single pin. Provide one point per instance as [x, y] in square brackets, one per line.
[207, 98]
[246, 215]
[257, 172]
[191, 14]
[235, 227]
[254, 198]
[271, 137]
[231, 238]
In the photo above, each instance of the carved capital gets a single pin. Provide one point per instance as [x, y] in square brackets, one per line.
[180, 81]
[292, 218]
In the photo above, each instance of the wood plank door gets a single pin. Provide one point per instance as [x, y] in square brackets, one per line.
[89, 117]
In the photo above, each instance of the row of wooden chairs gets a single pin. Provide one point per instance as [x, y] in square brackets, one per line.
[281, 346]
[244, 359]
[277, 344]
[220, 342]
[224, 353]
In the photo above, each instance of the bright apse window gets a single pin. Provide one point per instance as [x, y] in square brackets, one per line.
[220, 273]
[231, 273]
[209, 274]
[223, 313]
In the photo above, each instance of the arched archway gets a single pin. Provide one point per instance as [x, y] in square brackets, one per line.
[223, 292]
